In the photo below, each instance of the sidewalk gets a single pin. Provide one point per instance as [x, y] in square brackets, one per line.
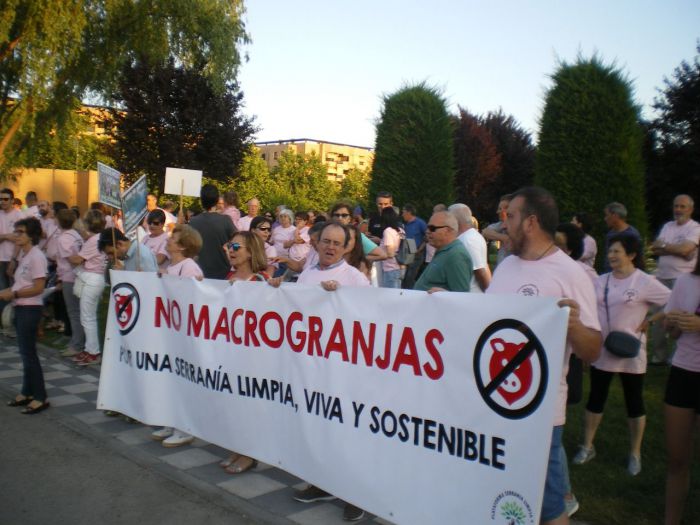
[264, 494]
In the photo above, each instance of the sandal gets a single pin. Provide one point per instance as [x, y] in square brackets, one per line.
[19, 402]
[237, 468]
[35, 410]
[226, 463]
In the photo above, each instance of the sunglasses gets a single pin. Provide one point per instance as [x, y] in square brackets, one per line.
[433, 228]
[263, 228]
[5, 198]
[235, 246]
[341, 215]
[155, 223]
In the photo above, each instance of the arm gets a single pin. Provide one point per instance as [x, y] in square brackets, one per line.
[683, 249]
[586, 342]
[483, 277]
[295, 266]
[491, 234]
[75, 260]
[36, 288]
[377, 254]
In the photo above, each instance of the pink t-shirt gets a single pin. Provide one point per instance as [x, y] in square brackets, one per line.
[279, 236]
[95, 260]
[234, 213]
[7, 225]
[157, 246]
[629, 300]
[556, 275]
[185, 268]
[345, 274]
[590, 249]
[30, 266]
[686, 297]
[671, 266]
[68, 243]
[590, 272]
[298, 251]
[48, 243]
[390, 238]
[244, 223]
[311, 259]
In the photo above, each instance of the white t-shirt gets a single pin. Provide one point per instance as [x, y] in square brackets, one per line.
[390, 238]
[244, 223]
[280, 235]
[686, 297]
[342, 272]
[629, 300]
[671, 266]
[556, 275]
[298, 251]
[476, 246]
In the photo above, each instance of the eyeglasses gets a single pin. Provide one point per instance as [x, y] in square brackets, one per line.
[263, 228]
[341, 215]
[235, 246]
[432, 228]
[335, 244]
[155, 223]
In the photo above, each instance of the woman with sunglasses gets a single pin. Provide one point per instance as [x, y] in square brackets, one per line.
[262, 227]
[157, 239]
[30, 279]
[247, 256]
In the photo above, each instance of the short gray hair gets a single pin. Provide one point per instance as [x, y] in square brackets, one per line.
[463, 214]
[288, 213]
[450, 220]
[618, 209]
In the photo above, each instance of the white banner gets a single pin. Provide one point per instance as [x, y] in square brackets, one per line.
[419, 408]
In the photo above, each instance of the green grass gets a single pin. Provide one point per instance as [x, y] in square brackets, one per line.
[606, 493]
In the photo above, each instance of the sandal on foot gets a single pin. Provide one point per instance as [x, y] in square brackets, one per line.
[35, 410]
[237, 468]
[19, 402]
[226, 463]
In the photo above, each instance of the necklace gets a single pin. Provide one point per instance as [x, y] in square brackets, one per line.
[545, 252]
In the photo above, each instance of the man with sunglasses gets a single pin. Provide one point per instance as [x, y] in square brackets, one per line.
[451, 267]
[8, 216]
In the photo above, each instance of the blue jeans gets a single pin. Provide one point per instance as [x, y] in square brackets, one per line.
[26, 323]
[553, 504]
[391, 279]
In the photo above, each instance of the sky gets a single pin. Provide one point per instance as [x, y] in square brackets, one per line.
[319, 69]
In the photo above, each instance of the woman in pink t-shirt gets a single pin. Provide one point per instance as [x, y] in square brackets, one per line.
[30, 279]
[184, 244]
[391, 239]
[624, 297]
[69, 244]
[89, 284]
[157, 237]
[682, 399]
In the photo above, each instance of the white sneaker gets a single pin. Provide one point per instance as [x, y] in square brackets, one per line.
[584, 455]
[634, 465]
[178, 439]
[571, 505]
[162, 433]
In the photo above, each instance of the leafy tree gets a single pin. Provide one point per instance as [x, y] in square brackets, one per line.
[590, 150]
[478, 163]
[673, 141]
[355, 187]
[171, 116]
[301, 182]
[54, 53]
[413, 152]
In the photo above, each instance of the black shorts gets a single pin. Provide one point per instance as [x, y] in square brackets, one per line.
[683, 389]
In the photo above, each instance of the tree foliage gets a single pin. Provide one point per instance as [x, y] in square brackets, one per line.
[590, 150]
[478, 163]
[673, 141]
[52, 54]
[174, 117]
[413, 152]
[355, 187]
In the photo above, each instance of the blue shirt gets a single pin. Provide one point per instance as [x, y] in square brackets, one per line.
[145, 261]
[416, 230]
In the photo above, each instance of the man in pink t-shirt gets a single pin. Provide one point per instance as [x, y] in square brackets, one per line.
[538, 268]
[677, 249]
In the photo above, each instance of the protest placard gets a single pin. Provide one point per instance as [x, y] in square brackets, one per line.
[109, 180]
[134, 204]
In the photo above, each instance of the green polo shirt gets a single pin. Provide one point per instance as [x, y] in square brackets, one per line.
[451, 269]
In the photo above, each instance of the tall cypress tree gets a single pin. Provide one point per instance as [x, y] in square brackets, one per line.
[413, 152]
[590, 150]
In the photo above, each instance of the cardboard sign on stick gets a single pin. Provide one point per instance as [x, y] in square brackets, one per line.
[108, 184]
[180, 181]
[134, 204]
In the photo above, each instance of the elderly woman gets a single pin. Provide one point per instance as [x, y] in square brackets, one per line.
[30, 279]
[283, 237]
[184, 244]
[624, 298]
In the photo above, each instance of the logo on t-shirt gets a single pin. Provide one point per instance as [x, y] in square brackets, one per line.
[510, 368]
[528, 290]
[127, 305]
[630, 295]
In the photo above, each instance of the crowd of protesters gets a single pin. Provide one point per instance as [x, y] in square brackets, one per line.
[53, 262]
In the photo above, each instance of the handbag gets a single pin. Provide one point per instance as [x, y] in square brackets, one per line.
[620, 344]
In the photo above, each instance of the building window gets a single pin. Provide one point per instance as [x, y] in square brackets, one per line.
[274, 156]
[264, 157]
